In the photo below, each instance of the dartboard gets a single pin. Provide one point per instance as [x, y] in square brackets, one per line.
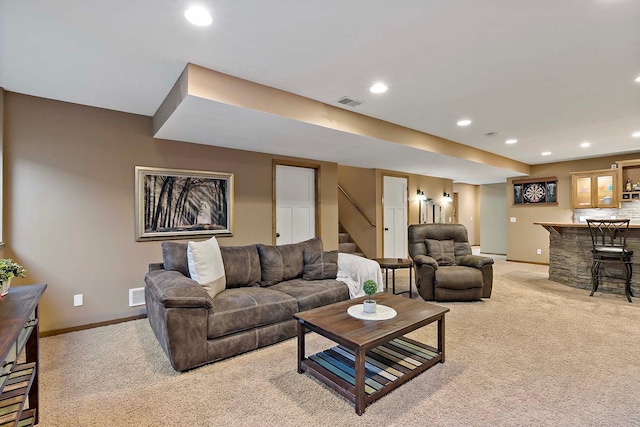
[534, 193]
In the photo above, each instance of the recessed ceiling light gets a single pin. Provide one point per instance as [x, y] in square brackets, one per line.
[545, 153]
[636, 134]
[638, 79]
[198, 15]
[511, 141]
[465, 122]
[378, 88]
[585, 144]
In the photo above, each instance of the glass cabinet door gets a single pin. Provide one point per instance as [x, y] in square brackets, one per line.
[583, 192]
[605, 196]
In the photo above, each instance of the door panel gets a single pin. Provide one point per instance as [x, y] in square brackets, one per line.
[295, 204]
[284, 221]
[395, 217]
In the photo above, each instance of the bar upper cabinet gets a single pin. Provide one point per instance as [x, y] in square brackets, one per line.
[595, 189]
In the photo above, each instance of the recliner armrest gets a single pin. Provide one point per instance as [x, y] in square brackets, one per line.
[173, 289]
[420, 260]
[475, 261]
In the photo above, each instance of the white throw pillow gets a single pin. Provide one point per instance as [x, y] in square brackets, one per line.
[205, 265]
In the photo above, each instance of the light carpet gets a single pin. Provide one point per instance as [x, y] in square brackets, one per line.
[537, 353]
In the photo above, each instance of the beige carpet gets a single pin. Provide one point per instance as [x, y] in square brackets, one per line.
[537, 353]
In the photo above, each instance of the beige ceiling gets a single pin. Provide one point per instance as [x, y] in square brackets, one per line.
[551, 74]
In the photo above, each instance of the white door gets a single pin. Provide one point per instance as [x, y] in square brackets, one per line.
[295, 204]
[394, 202]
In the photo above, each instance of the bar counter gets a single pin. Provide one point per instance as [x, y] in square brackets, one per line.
[570, 256]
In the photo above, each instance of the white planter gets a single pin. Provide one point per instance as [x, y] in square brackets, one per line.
[369, 307]
[4, 289]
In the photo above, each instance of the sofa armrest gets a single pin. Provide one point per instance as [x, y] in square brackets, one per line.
[420, 260]
[173, 290]
[475, 261]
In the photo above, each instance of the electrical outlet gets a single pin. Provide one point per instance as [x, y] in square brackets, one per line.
[513, 219]
[77, 300]
[539, 251]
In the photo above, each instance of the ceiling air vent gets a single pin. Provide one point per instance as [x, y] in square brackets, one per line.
[345, 100]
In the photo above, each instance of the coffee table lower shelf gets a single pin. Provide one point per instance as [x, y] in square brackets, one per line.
[387, 366]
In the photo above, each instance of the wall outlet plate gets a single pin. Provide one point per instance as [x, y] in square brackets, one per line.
[539, 251]
[77, 300]
[513, 219]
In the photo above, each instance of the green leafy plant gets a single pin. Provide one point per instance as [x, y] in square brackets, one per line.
[370, 287]
[9, 269]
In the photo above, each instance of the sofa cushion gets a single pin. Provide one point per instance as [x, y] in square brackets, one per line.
[241, 265]
[458, 277]
[205, 265]
[313, 293]
[320, 265]
[239, 309]
[441, 250]
[174, 257]
[284, 262]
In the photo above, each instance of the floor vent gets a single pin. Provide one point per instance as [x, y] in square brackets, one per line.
[345, 100]
[136, 297]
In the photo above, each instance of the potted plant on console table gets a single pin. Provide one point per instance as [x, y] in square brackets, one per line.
[370, 287]
[8, 270]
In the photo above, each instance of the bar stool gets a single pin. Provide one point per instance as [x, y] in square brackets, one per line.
[609, 239]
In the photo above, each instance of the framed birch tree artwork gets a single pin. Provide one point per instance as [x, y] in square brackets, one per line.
[180, 204]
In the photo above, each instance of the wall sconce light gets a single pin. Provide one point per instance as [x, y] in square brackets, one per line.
[421, 195]
[446, 197]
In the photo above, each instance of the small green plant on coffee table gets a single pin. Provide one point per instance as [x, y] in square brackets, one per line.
[370, 287]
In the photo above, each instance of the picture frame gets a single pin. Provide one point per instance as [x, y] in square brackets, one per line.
[180, 204]
[535, 191]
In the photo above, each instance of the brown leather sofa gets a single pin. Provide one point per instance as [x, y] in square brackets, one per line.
[265, 286]
[456, 275]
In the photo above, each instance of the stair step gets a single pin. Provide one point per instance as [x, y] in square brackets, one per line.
[343, 237]
[347, 248]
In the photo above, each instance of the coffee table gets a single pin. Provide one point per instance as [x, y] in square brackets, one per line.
[373, 357]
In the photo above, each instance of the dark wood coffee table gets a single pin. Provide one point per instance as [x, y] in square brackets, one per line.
[379, 346]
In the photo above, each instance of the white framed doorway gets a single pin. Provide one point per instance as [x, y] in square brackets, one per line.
[395, 216]
[295, 203]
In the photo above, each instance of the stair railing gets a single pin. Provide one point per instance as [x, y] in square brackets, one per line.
[355, 205]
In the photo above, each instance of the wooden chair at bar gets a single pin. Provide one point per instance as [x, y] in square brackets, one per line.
[609, 239]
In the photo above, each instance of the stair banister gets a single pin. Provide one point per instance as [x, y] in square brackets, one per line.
[355, 205]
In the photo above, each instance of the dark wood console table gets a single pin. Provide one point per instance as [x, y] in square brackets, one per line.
[19, 331]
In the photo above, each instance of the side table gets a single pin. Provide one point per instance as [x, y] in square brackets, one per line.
[393, 264]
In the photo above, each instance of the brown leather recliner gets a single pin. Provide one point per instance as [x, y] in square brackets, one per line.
[469, 278]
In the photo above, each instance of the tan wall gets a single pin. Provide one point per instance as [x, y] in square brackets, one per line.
[469, 210]
[493, 219]
[523, 237]
[69, 193]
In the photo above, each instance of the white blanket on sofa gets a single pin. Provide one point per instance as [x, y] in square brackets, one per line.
[354, 270]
